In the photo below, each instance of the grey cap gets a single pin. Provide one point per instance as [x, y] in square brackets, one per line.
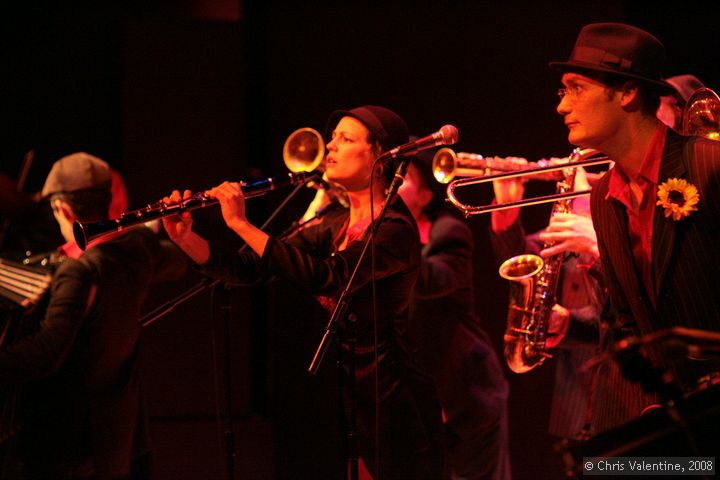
[78, 171]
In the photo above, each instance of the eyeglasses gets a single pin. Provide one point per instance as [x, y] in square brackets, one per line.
[570, 92]
[575, 90]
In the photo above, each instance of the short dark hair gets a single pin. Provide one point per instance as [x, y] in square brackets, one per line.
[88, 205]
[649, 94]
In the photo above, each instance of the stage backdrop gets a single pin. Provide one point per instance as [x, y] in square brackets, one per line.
[188, 94]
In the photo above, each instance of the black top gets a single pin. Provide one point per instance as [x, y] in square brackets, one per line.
[409, 417]
[309, 259]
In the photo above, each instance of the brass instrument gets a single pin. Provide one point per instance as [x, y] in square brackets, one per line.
[701, 115]
[589, 157]
[303, 152]
[533, 285]
[447, 164]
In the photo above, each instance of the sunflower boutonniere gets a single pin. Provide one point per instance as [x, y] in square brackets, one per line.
[678, 197]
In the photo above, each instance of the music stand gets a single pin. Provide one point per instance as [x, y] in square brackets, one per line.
[686, 425]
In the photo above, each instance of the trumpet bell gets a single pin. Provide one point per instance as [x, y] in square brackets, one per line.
[304, 150]
[448, 164]
[443, 165]
[701, 116]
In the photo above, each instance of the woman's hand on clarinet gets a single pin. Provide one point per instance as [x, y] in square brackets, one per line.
[232, 203]
[178, 227]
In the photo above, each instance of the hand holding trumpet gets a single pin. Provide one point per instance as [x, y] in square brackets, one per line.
[508, 190]
[513, 189]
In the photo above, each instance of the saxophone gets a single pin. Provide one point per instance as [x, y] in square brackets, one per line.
[533, 286]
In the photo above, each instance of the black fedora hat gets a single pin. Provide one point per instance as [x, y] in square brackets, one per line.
[618, 49]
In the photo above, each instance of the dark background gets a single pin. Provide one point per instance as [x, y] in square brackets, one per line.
[186, 94]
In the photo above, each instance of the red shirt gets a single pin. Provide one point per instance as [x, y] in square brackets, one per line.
[640, 199]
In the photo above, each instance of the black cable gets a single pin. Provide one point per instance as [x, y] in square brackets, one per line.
[376, 342]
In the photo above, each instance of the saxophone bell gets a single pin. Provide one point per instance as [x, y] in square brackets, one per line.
[523, 348]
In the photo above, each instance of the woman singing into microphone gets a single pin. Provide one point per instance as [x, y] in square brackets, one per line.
[321, 257]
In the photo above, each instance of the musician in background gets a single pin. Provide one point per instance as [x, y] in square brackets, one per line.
[575, 320]
[29, 224]
[82, 407]
[448, 340]
[655, 213]
[320, 258]
[671, 107]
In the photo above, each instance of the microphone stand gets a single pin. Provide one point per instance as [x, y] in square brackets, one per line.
[339, 312]
[204, 284]
[344, 300]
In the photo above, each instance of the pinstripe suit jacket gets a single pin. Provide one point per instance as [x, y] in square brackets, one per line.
[685, 259]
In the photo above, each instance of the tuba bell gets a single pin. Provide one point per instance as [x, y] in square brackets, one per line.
[701, 115]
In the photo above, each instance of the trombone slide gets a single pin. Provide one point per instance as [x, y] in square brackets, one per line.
[469, 210]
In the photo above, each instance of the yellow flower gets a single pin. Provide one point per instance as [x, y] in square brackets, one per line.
[678, 198]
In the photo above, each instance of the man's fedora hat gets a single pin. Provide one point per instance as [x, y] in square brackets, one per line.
[618, 49]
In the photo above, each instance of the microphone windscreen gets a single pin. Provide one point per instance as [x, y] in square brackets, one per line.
[449, 134]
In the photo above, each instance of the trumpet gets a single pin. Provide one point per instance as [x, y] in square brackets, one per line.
[447, 165]
[303, 153]
[590, 157]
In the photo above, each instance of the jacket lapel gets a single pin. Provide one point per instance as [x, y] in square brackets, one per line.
[672, 166]
[614, 222]
[623, 259]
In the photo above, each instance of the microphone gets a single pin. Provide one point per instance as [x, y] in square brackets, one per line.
[447, 135]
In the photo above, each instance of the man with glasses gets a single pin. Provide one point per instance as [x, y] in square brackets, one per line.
[655, 213]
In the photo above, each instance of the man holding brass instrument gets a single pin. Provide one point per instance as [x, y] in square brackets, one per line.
[656, 212]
